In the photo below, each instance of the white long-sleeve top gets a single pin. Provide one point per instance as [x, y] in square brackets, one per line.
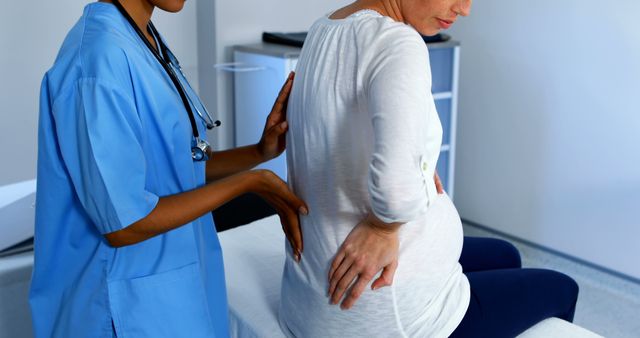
[364, 136]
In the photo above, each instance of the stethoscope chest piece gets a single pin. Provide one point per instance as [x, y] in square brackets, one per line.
[200, 150]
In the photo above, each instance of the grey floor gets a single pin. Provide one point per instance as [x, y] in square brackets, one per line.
[607, 304]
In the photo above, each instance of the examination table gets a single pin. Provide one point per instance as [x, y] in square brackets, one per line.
[254, 259]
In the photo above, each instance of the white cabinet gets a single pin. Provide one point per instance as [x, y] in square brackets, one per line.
[444, 59]
[261, 69]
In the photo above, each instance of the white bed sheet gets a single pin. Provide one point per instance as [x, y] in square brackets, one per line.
[254, 259]
[253, 262]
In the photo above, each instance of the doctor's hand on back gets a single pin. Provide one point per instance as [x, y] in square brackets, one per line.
[229, 175]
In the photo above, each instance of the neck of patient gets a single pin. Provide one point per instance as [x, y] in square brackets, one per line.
[390, 8]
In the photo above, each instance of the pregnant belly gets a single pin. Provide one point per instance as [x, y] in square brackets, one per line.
[428, 291]
[430, 248]
[429, 252]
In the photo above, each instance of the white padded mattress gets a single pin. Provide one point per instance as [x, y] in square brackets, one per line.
[253, 260]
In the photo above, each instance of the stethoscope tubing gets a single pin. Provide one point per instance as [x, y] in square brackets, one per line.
[167, 64]
[207, 118]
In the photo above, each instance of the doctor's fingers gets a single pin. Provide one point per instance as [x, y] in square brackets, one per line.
[291, 200]
[290, 220]
[279, 110]
[293, 235]
[274, 132]
[438, 182]
[274, 187]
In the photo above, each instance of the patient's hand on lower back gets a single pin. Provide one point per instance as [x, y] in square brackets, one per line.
[370, 247]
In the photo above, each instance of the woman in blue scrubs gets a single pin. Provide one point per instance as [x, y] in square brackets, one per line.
[125, 243]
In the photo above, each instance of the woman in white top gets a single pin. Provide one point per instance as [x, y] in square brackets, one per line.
[363, 142]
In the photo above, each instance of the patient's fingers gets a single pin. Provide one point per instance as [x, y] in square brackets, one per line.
[339, 273]
[344, 283]
[386, 278]
[356, 290]
[336, 263]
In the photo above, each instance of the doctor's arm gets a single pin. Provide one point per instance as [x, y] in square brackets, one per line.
[271, 144]
[176, 210]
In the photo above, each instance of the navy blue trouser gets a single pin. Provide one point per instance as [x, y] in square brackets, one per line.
[506, 300]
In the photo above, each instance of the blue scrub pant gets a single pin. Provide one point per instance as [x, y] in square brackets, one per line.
[506, 300]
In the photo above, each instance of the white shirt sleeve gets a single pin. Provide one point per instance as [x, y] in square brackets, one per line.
[397, 87]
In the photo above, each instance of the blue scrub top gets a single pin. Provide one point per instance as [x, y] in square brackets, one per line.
[114, 136]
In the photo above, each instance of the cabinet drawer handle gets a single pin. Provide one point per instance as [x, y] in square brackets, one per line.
[238, 67]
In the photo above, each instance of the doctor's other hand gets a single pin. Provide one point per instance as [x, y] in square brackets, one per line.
[273, 140]
[370, 247]
[288, 206]
[439, 185]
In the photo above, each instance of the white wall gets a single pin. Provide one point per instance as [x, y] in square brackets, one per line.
[242, 22]
[30, 34]
[549, 125]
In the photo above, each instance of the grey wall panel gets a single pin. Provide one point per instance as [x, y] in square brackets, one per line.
[549, 125]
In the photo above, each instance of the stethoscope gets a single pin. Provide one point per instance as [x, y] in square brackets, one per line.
[199, 147]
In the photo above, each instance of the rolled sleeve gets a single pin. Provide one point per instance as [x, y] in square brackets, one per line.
[398, 90]
[101, 140]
